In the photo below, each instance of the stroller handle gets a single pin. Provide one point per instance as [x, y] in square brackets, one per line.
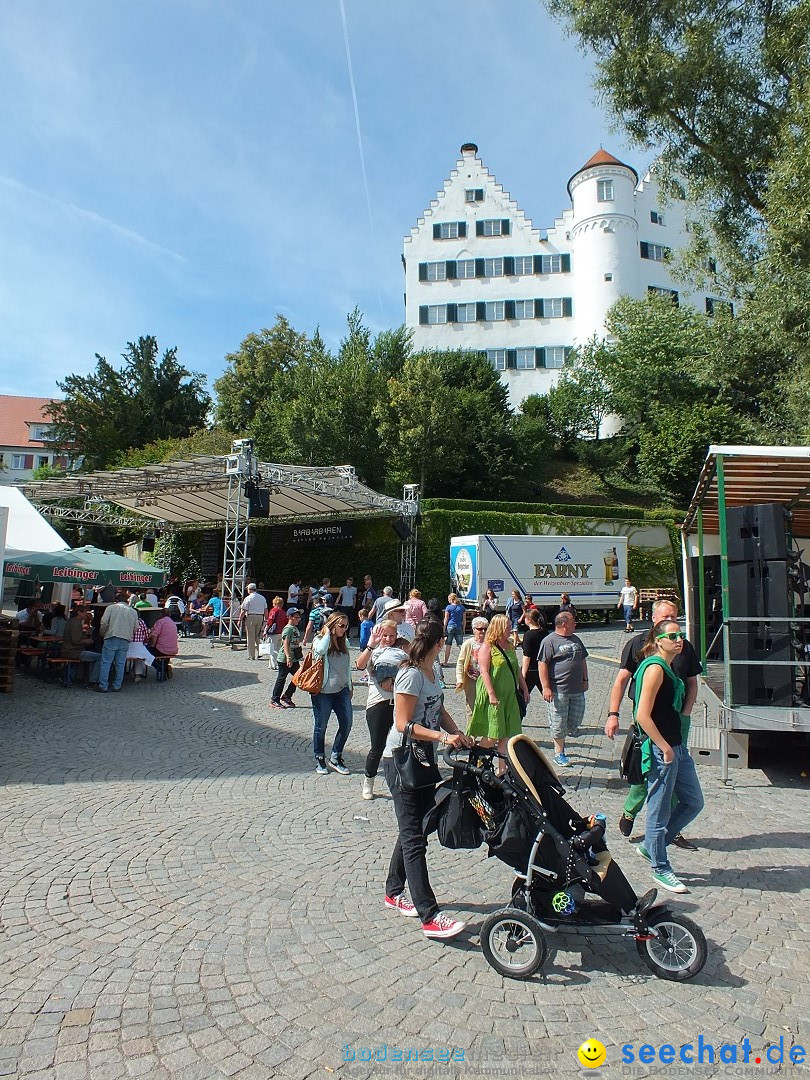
[450, 757]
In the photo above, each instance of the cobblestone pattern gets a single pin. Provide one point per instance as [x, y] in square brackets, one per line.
[181, 896]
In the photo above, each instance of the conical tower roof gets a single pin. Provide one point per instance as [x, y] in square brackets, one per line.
[602, 157]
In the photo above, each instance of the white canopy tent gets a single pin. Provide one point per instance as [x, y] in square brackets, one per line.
[27, 529]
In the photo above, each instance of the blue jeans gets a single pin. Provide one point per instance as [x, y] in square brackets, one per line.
[628, 613]
[664, 821]
[322, 706]
[113, 652]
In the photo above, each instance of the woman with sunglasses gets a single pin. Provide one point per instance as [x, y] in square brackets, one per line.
[336, 692]
[467, 669]
[669, 768]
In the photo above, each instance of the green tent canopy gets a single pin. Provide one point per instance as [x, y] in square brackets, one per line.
[83, 566]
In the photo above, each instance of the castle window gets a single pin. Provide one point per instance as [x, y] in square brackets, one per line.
[437, 271]
[492, 227]
[557, 308]
[474, 195]
[493, 267]
[524, 264]
[497, 357]
[655, 252]
[525, 359]
[495, 311]
[465, 312]
[604, 191]
[670, 294]
[431, 314]
[524, 309]
[555, 356]
[465, 268]
[714, 306]
[449, 230]
[656, 217]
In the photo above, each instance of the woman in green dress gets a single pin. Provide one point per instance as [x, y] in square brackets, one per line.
[496, 715]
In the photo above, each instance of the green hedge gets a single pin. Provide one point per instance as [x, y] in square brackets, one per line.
[634, 513]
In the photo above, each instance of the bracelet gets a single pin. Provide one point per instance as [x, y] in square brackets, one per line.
[613, 714]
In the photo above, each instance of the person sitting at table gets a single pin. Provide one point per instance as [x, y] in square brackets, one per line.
[57, 621]
[163, 637]
[152, 598]
[196, 610]
[77, 644]
[213, 613]
[108, 594]
[30, 617]
[142, 602]
[138, 650]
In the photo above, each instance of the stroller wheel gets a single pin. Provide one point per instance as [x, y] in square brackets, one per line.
[679, 952]
[514, 943]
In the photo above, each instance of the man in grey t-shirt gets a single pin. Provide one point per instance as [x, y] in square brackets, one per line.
[564, 678]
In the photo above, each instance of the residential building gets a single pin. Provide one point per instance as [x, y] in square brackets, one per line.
[480, 275]
[24, 423]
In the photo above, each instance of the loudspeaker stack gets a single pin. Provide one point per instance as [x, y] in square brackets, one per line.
[762, 582]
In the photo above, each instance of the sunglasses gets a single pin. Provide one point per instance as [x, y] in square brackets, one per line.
[341, 626]
[677, 635]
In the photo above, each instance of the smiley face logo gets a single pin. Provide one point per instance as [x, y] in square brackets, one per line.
[592, 1054]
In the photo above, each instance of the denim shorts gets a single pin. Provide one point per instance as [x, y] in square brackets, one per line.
[453, 636]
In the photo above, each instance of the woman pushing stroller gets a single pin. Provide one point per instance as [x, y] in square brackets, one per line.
[418, 705]
[667, 764]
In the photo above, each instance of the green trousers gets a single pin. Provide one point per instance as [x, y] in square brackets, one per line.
[637, 795]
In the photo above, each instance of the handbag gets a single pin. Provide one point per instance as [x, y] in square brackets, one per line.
[309, 676]
[521, 701]
[415, 764]
[457, 824]
[630, 768]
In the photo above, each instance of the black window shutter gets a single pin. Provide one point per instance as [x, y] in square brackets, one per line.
[676, 300]
[479, 194]
[423, 271]
[565, 263]
[644, 248]
[462, 228]
[538, 264]
[540, 357]
[709, 306]
[567, 351]
[450, 269]
[451, 312]
[538, 309]
[423, 315]
[480, 311]
[437, 232]
[509, 309]
[568, 307]
[511, 358]
[479, 267]
[505, 227]
[479, 228]
[509, 265]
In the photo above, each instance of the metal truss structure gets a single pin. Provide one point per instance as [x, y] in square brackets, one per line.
[407, 550]
[240, 469]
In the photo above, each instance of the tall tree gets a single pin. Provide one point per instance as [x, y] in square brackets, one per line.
[114, 409]
[706, 83]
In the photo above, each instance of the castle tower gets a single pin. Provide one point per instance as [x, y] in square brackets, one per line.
[604, 239]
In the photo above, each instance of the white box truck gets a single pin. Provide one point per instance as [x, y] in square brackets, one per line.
[591, 569]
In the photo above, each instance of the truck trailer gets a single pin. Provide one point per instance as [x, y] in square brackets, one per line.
[591, 569]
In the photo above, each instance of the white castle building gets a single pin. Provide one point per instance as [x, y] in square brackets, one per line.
[479, 275]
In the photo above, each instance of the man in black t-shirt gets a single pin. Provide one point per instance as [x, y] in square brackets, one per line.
[687, 667]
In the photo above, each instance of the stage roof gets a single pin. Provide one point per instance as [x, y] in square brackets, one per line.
[194, 493]
[754, 474]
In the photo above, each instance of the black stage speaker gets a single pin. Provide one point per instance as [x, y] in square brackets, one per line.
[401, 528]
[259, 503]
[757, 532]
[759, 589]
[148, 543]
[761, 684]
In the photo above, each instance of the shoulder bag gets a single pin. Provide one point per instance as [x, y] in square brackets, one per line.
[521, 701]
[630, 767]
[309, 676]
[414, 763]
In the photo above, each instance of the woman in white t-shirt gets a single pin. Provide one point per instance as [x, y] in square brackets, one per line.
[418, 701]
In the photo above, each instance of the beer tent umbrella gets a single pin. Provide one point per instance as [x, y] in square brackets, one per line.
[83, 566]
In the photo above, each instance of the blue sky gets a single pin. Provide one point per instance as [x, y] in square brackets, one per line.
[190, 168]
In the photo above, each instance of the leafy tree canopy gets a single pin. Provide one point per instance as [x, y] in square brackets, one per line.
[114, 409]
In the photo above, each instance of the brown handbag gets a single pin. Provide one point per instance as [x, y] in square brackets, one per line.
[309, 676]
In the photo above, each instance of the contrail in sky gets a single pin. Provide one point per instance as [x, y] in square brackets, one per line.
[362, 155]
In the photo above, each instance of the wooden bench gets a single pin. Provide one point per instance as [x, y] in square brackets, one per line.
[67, 666]
[162, 666]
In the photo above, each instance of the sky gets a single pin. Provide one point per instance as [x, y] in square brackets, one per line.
[191, 169]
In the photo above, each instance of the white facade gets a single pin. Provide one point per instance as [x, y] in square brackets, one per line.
[479, 275]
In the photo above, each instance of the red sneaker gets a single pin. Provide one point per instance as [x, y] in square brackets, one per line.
[442, 926]
[402, 905]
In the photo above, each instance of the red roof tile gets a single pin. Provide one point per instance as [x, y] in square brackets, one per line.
[16, 414]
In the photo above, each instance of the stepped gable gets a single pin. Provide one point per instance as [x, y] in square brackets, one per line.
[602, 157]
[471, 150]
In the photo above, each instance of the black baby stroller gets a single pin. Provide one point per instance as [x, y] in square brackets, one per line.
[558, 858]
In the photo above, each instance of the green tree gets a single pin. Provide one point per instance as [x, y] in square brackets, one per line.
[111, 410]
[205, 441]
[707, 83]
[581, 399]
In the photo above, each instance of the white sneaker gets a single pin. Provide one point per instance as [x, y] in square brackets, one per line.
[368, 787]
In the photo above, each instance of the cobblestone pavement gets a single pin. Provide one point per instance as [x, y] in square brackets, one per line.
[181, 896]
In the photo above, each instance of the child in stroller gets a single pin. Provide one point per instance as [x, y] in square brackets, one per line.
[559, 858]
